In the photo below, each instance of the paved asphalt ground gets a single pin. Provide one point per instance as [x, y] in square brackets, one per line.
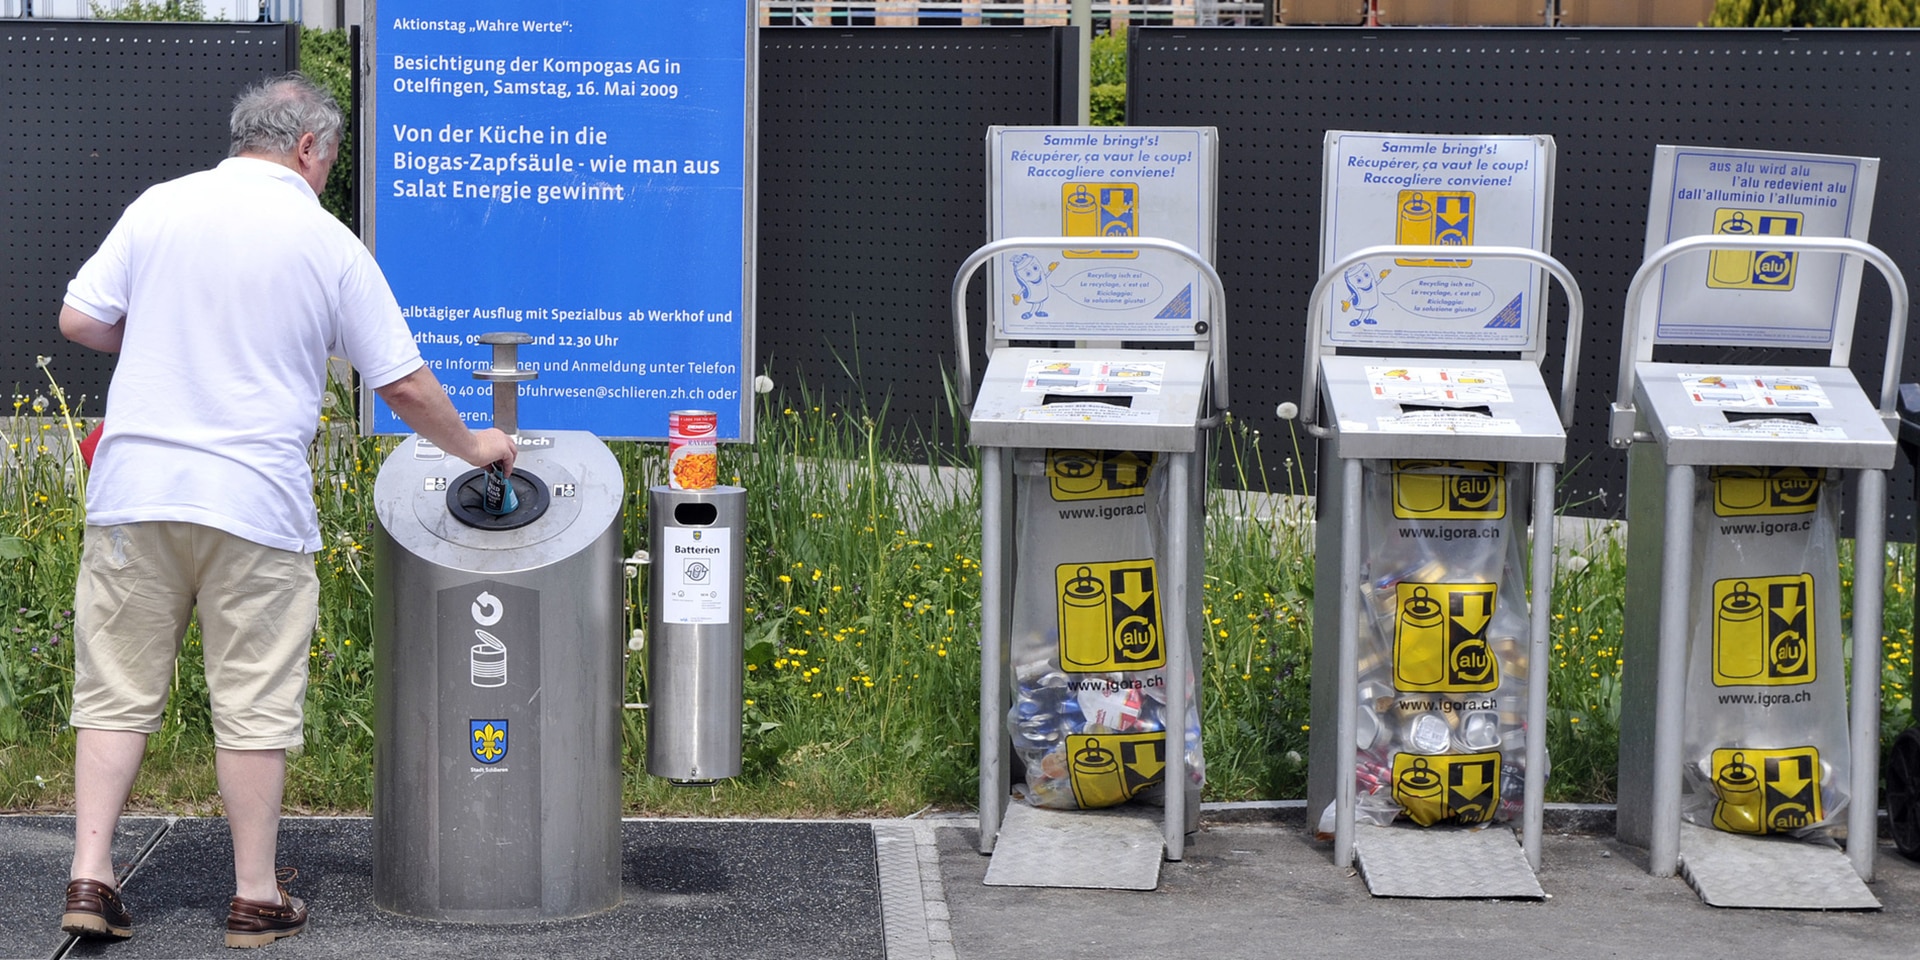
[1252, 885]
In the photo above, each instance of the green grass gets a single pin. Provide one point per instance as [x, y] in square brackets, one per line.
[863, 596]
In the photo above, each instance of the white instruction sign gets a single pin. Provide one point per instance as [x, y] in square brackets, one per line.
[1415, 189]
[1754, 392]
[695, 562]
[1740, 297]
[1105, 184]
[1438, 385]
[1094, 377]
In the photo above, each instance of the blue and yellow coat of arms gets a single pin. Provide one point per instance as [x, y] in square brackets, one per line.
[488, 740]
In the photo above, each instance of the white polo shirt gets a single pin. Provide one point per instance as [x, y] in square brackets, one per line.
[235, 287]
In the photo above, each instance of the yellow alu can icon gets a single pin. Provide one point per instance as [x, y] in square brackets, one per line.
[1109, 615]
[1763, 632]
[1440, 637]
[1753, 269]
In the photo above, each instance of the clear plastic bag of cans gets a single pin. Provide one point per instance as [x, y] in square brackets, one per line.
[1441, 732]
[1765, 732]
[1089, 658]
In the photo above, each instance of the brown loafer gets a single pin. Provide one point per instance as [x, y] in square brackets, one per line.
[256, 923]
[94, 910]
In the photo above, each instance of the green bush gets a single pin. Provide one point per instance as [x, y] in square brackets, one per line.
[326, 58]
[1107, 106]
[1107, 87]
[1815, 13]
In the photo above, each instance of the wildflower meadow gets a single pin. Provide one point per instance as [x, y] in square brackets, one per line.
[862, 624]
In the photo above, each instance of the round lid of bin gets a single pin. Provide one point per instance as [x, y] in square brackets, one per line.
[467, 493]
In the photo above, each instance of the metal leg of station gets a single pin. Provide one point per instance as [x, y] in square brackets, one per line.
[1538, 645]
[1870, 536]
[1676, 589]
[996, 558]
[1348, 704]
[1176, 627]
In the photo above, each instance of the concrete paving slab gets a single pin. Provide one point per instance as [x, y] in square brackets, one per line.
[734, 890]
[35, 853]
[1258, 891]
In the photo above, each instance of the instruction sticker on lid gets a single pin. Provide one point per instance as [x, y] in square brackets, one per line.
[696, 565]
[1448, 421]
[1771, 430]
[1757, 392]
[1096, 377]
[1438, 384]
[1090, 411]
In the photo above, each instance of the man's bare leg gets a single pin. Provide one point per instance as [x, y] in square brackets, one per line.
[251, 783]
[105, 763]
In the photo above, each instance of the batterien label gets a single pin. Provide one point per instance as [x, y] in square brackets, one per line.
[697, 565]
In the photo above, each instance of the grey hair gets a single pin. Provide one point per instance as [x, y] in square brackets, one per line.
[270, 116]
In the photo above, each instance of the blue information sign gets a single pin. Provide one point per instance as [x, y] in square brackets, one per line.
[579, 171]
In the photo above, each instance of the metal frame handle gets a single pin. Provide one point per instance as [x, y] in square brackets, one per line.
[1639, 341]
[1216, 300]
[1316, 303]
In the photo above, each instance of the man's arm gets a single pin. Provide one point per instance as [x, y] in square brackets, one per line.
[90, 333]
[418, 399]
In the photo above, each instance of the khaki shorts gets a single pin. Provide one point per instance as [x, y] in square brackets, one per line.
[138, 587]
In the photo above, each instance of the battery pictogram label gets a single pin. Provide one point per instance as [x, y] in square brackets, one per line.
[1100, 210]
[1766, 791]
[1763, 631]
[1109, 616]
[1468, 490]
[1112, 768]
[1097, 474]
[1764, 491]
[1753, 269]
[1440, 637]
[1429, 217]
[1461, 788]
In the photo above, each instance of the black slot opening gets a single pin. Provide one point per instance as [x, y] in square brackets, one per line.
[1736, 416]
[1482, 410]
[695, 514]
[1077, 398]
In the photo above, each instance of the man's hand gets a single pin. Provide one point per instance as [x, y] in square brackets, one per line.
[493, 446]
[418, 399]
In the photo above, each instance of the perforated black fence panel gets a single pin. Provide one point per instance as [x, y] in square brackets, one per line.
[872, 192]
[1606, 96]
[91, 114]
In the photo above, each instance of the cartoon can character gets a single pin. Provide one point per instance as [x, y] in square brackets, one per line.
[1363, 292]
[1032, 278]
